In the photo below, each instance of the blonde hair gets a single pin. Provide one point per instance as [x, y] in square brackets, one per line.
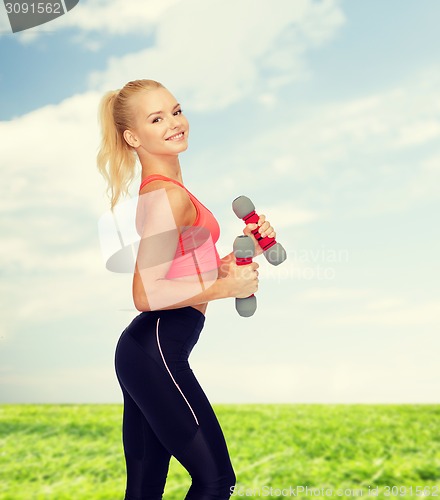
[115, 115]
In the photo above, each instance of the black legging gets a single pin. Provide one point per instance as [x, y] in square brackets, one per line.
[166, 411]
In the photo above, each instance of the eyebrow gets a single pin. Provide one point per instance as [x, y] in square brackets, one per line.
[159, 112]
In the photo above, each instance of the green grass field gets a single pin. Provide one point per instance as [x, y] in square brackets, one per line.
[74, 452]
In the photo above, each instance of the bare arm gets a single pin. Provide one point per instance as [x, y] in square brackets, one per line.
[171, 290]
[224, 264]
[167, 210]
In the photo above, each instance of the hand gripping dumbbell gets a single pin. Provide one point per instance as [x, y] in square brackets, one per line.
[273, 251]
[244, 250]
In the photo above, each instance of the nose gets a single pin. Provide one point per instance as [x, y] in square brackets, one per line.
[174, 122]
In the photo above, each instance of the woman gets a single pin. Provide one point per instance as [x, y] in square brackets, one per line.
[178, 271]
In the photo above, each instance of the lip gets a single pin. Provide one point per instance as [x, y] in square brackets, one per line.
[170, 138]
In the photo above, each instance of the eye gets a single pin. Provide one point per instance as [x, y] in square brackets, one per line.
[179, 111]
[156, 119]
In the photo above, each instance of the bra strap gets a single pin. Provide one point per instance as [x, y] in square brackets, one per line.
[155, 177]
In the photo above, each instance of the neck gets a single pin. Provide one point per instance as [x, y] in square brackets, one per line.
[169, 166]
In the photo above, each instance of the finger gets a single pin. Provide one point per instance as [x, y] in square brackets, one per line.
[264, 227]
[269, 230]
[249, 228]
[261, 219]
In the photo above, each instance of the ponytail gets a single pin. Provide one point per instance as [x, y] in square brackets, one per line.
[114, 152]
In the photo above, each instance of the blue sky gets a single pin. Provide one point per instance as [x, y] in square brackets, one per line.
[326, 114]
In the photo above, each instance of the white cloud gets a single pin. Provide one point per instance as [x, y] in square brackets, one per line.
[194, 17]
[84, 384]
[117, 17]
[399, 381]
[267, 99]
[53, 153]
[419, 132]
[345, 381]
[390, 312]
[97, 17]
[339, 131]
[208, 55]
[324, 294]
[369, 306]
[287, 214]
[386, 303]
[5, 27]
[356, 148]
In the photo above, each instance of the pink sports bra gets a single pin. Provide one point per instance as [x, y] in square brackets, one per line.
[196, 252]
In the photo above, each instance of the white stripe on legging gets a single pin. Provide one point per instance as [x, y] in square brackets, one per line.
[166, 366]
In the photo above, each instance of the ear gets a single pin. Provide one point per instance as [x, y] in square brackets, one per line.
[131, 139]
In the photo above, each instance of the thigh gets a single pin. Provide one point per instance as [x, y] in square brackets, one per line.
[147, 460]
[156, 394]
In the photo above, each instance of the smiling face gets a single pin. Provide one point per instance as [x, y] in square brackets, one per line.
[159, 126]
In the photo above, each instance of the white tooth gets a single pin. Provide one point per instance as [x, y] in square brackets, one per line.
[177, 136]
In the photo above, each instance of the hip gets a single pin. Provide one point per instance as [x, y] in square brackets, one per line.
[173, 332]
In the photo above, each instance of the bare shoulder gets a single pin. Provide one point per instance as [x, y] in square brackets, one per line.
[181, 205]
